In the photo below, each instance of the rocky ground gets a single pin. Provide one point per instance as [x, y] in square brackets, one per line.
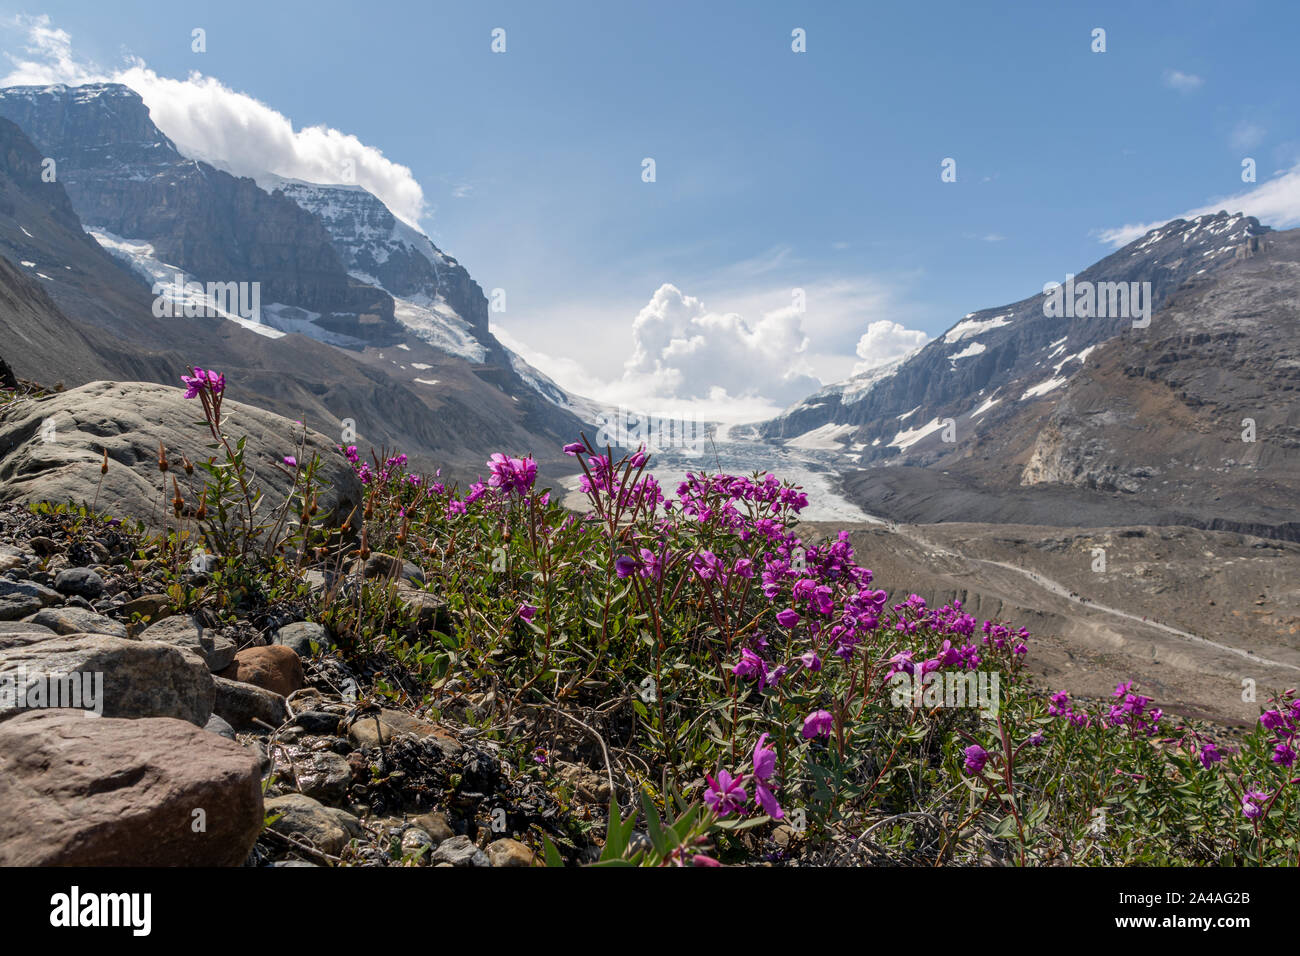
[211, 728]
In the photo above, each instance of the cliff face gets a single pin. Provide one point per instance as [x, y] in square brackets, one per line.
[124, 177]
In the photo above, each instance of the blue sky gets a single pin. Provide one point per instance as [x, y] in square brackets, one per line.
[775, 170]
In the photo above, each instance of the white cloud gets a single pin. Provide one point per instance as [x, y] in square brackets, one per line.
[721, 366]
[231, 130]
[885, 341]
[1182, 82]
[1274, 203]
[681, 350]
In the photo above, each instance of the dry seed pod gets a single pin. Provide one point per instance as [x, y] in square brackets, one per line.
[103, 469]
[162, 457]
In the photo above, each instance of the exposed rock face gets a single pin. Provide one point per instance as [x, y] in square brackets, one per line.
[129, 419]
[105, 792]
[124, 177]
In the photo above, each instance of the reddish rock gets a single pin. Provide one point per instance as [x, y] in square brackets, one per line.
[275, 668]
[153, 791]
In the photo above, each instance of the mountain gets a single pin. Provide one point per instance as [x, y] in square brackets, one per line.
[417, 369]
[984, 358]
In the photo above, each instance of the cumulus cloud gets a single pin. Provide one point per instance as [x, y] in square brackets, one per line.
[885, 341]
[1182, 82]
[683, 350]
[1275, 203]
[211, 122]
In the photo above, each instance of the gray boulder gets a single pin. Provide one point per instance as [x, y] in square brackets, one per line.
[128, 419]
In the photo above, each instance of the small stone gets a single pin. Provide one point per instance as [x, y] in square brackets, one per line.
[244, 704]
[371, 731]
[276, 668]
[508, 852]
[415, 840]
[75, 620]
[153, 606]
[300, 637]
[324, 776]
[218, 725]
[460, 851]
[44, 546]
[317, 722]
[436, 825]
[308, 821]
[387, 566]
[82, 582]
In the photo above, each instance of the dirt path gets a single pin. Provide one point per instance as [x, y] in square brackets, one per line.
[1054, 587]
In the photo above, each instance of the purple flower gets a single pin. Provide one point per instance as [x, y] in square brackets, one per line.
[527, 612]
[725, 795]
[200, 380]
[1210, 755]
[625, 566]
[788, 618]
[751, 665]
[744, 568]
[976, 757]
[811, 661]
[574, 449]
[1250, 803]
[512, 474]
[764, 767]
[1036, 739]
[291, 461]
[818, 724]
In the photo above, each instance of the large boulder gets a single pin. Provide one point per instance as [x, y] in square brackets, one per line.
[52, 450]
[115, 676]
[148, 792]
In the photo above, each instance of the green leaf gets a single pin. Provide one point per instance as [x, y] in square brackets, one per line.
[553, 857]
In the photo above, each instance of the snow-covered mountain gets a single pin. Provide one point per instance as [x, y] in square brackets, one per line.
[1010, 354]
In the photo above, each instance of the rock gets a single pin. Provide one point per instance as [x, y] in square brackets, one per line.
[153, 606]
[185, 631]
[372, 730]
[244, 704]
[107, 792]
[317, 722]
[75, 620]
[25, 627]
[123, 677]
[44, 546]
[46, 596]
[275, 668]
[129, 419]
[308, 821]
[430, 610]
[218, 725]
[11, 558]
[381, 565]
[587, 785]
[508, 852]
[460, 851]
[18, 606]
[322, 776]
[300, 636]
[415, 840]
[80, 581]
[436, 825]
